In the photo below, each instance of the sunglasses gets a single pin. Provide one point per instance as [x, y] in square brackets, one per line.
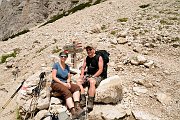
[89, 49]
[64, 56]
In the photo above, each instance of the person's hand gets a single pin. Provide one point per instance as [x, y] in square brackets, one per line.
[69, 85]
[65, 84]
[80, 80]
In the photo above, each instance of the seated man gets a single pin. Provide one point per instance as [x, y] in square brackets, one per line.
[93, 77]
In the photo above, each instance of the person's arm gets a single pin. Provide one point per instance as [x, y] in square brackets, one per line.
[54, 71]
[100, 65]
[83, 69]
[69, 80]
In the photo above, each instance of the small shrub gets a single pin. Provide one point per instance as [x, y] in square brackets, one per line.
[173, 18]
[4, 57]
[18, 117]
[144, 6]
[103, 27]
[155, 16]
[66, 13]
[176, 39]
[53, 19]
[79, 7]
[15, 35]
[113, 32]
[56, 50]
[41, 49]
[122, 19]
[164, 22]
[97, 2]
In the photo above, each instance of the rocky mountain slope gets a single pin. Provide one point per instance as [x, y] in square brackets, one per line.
[17, 16]
[132, 31]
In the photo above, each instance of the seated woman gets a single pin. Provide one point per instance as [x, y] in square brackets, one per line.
[61, 83]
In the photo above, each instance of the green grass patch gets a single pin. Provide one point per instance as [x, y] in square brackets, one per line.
[56, 50]
[103, 27]
[79, 7]
[15, 35]
[113, 32]
[4, 57]
[144, 6]
[173, 18]
[18, 117]
[53, 19]
[73, 10]
[97, 2]
[40, 50]
[164, 22]
[122, 20]
[156, 16]
[176, 39]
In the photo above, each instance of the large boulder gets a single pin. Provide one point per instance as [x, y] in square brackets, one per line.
[107, 112]
[109, 90]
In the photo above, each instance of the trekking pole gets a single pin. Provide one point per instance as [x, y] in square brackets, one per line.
[36, 92]
[86, 109]
[4, 106]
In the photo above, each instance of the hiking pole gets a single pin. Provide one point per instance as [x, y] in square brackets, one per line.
[4, 106]
[86, 111]
[36, 92]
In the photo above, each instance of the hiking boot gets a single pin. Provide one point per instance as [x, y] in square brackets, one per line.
[78, 109]
[73, 113]
[83, 100]
[90, 103]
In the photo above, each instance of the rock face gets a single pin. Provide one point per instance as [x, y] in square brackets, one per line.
[19, 15]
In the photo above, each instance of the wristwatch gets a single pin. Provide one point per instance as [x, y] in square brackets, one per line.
[93, 77]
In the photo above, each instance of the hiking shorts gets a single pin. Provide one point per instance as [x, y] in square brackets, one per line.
[87, 84]
[63, 90]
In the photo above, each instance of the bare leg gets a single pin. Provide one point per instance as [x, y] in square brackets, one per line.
[70, 102]
[92, 88]
[76, 96]
[79, 83]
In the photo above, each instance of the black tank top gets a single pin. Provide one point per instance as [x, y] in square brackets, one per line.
[92, 66]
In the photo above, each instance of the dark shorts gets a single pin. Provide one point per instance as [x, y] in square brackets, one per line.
[63, 90]
[98, 81]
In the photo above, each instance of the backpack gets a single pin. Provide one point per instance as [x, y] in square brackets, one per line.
[105, 56]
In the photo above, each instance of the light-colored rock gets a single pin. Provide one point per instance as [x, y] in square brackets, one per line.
[107, 112]
[162, 97]
[141, 59]
[55, 101]
[140, 89]
[134, 62]
[122, 41]
[114, 41]
[149, 63]
[112, 86]
[41, 114]
[142, 115]
[43, 103]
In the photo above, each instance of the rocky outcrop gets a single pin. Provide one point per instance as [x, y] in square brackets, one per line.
[16, 16]
[41, 104]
